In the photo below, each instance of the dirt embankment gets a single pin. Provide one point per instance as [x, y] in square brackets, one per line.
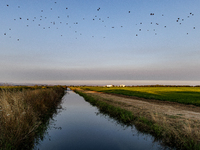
[162, 107]
[179, 122]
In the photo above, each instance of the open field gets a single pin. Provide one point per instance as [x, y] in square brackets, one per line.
[175, 124]
[184, 95]
[23, 113]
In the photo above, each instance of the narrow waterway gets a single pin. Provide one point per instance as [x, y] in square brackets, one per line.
[80, 126]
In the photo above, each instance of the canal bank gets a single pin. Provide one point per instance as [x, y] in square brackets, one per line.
[172, 130]
[79, 125]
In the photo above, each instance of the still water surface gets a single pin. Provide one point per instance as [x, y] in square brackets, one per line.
[80, 126]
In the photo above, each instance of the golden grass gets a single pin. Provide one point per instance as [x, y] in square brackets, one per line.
[22, 112]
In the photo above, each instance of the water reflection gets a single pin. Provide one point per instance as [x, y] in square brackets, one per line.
[79, 125]
[48, 124]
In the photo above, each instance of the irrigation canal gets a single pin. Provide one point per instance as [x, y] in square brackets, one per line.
[80, 126]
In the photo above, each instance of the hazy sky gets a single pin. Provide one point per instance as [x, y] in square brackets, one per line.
[57, 40]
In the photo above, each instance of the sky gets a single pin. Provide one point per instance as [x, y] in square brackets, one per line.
[65, 41]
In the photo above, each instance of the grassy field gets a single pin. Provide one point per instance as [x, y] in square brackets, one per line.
[23, 112]
[184, 95]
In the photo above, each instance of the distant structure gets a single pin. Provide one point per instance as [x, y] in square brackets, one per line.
[122, 85]
[109, 85]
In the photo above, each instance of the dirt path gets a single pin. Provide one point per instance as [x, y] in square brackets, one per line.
[155, 106]
[178, 123]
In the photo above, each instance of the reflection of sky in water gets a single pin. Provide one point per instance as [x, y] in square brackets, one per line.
[82, 128]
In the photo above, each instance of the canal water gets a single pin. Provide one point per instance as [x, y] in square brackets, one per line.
[80, 126]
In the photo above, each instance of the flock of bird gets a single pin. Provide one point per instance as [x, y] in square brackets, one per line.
[54, 23]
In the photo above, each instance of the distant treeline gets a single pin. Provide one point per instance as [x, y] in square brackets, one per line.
[22, 87]
[157, 85]
[164, 86]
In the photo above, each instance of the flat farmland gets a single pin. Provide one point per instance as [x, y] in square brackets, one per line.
[184, 95]
[169, 113]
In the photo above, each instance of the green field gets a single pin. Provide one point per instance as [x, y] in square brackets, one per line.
[185, 95]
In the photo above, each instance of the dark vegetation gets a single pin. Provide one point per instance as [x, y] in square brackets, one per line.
[122, 115]
[24, 114]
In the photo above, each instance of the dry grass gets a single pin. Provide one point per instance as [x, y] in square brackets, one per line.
[178, 130]
[21, 113]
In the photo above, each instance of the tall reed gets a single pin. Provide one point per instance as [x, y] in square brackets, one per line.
[21, 114]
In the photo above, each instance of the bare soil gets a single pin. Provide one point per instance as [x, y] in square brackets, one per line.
[156, 106]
